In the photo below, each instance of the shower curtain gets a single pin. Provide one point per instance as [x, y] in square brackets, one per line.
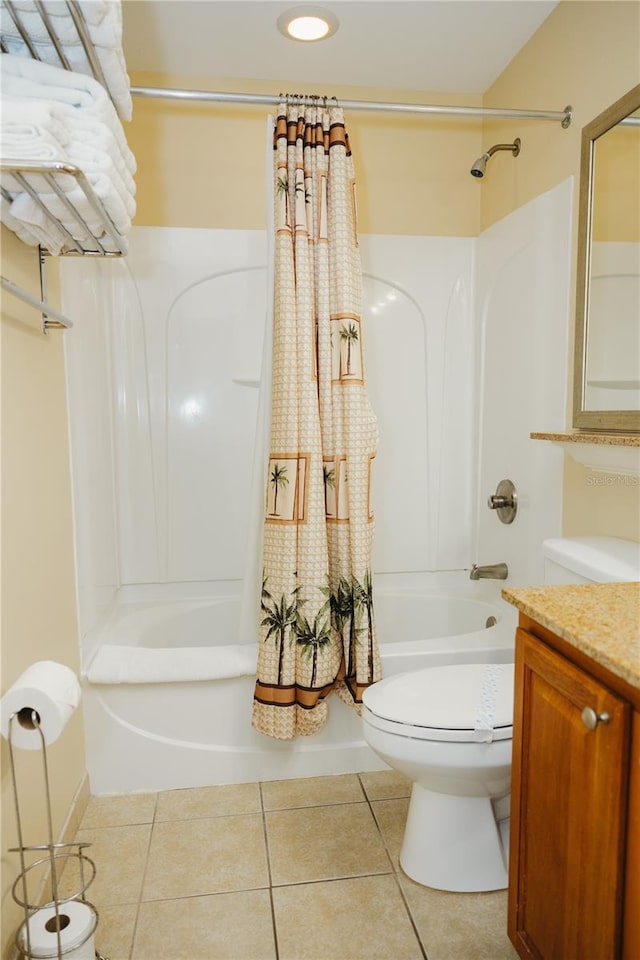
[317, 630]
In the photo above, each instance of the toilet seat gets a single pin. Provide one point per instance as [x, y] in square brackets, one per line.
[466, 702]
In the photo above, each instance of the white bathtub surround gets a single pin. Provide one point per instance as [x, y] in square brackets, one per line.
[523, 295]
[317, 627]
[253, 569]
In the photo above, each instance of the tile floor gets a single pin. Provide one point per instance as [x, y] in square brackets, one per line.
[286, 870]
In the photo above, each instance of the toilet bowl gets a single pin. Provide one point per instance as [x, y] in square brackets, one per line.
[449, 730]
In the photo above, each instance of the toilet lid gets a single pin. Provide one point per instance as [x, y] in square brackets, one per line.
[467, 701]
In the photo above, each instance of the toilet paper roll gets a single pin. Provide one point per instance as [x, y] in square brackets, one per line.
[49, 688]
[77, 923]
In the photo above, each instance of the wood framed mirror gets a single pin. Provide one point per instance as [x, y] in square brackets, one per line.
[607, 333]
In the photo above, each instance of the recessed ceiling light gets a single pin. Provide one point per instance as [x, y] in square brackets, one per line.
[307, 23]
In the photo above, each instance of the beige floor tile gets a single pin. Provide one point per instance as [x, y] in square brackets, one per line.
[391, 817]
[114, 935]
[223, 801]
[119, 811]
[190, 858]
[228, 926]
[385, 785]
[322, 843]
[357, 919]
[119, 854]
[311, 792]
[460, 926]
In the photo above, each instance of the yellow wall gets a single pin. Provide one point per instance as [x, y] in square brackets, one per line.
[586, 54]
[38, 590]
[202, 165]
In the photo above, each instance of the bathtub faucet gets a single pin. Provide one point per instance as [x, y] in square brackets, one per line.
[493, 571]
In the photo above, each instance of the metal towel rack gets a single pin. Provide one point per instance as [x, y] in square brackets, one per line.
[92, 242]
[105, 242]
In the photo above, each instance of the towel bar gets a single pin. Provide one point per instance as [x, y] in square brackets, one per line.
[58, 320]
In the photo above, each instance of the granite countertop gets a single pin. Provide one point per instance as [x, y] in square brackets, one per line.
[612, 439]
[600, 619]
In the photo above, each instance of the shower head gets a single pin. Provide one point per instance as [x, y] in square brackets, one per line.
[479, 167]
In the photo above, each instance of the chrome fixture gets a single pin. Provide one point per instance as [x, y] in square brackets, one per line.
[591, 719]
[493, 571]
[479, 167]
[504, 501]
[425, 109]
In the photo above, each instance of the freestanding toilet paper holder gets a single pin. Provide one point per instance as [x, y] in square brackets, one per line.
[58, 856]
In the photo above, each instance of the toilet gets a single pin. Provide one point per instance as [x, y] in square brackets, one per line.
[449, 730]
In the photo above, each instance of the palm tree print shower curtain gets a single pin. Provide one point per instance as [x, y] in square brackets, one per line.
[317, 631]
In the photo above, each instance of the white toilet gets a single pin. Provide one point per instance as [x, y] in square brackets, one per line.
[449, 730]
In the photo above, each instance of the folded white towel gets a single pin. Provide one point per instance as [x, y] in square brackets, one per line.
[36, 129]
[120, 664]
[94, 12]
[26, 121]
[29, 211]
[52, 238]
[28, 131]
[83, 128]
[95, 163]
[26, 78]
[104, 27]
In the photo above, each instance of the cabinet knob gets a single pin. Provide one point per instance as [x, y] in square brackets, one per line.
[591, 719]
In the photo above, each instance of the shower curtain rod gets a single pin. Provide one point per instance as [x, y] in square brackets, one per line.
[212, 96]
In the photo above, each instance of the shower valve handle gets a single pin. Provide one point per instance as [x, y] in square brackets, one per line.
[498, 503]
[504, 501]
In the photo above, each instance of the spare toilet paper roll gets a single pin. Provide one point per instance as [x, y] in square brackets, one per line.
[77, 922]
[49, 688]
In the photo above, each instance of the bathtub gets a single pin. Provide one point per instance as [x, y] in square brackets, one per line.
[171, 707]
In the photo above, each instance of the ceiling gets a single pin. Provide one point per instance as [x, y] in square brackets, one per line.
[452, 46]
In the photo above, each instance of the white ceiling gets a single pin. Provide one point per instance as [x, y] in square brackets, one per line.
[451, 46]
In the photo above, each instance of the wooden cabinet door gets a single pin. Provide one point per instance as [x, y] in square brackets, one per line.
[568, 810]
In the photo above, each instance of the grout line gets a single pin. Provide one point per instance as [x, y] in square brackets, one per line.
[423, 949]
[396, 876]
[200, 896]
[144, 876]
[384, 843]
[266, 844]
[350, 876]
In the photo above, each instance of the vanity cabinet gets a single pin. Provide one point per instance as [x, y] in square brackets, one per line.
[574, 889]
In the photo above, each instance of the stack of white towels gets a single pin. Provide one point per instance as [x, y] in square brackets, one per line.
[53, 114]
[103, 22]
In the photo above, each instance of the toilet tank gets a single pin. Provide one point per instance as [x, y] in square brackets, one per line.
[590, 560]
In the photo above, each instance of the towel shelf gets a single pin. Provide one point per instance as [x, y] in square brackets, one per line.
[106, 242]
[77, 237]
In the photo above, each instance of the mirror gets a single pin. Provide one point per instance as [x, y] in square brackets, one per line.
[607, 340]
